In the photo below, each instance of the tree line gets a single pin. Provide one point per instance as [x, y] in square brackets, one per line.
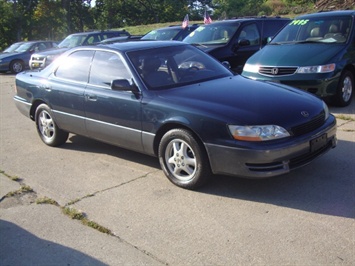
[55, 19]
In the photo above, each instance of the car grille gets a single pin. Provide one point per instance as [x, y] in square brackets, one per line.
[277, 71]
[39, 58]
[315, 123]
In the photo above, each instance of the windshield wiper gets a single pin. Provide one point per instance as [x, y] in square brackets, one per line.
[199, 44]
[308, 41]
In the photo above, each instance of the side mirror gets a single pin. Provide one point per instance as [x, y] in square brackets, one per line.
[123, 85]
[244, 42]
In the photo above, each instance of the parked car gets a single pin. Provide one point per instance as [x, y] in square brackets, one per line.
[170, 33]
[12, 47]
[17, 60]
[171, 100]
[41, 60]
[315, 52]
[235, 40]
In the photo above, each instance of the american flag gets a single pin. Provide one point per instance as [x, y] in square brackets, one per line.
[185, 22]
[206, 18]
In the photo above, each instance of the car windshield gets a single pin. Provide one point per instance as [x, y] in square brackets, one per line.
[174, 66]
[162, 34]
[72, 41]
[23, 47]
[320, 29]
[12, 47]
[212, 34]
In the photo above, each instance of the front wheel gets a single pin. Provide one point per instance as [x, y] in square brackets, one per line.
[47, 128]
[183, 159]
[345, 89]
[16, 66]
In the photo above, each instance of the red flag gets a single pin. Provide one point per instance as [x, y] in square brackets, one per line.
[206, 18]
[185, 22]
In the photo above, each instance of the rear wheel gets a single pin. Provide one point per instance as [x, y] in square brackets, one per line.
[47, 128]
[183, 159]
[16, 66]
[345, 89]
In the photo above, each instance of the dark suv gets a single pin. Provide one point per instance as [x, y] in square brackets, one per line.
[41, 60]
[236, 40]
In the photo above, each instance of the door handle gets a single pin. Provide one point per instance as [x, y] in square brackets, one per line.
[91, 97]
[45, 87]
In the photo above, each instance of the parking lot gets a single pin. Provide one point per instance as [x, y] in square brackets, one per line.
[302, 218]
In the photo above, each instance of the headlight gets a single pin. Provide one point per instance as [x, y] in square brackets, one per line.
[316, 69]
[258, 133]
[326, 110]
[251, 68]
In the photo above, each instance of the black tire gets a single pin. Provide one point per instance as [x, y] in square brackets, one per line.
[47, 128]
[16, 66]
[183, 160]
[345, 89]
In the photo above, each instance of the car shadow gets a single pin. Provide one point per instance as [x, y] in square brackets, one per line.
[20, 247]
[84, 144]
[325, 186]
[347, 110]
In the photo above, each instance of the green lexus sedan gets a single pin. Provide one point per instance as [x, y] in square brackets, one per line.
[314, 52]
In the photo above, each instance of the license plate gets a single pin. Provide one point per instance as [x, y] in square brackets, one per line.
[35, 64]
[318, 143]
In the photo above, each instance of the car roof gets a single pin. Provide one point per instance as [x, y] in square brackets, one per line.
[176, 27]
[246, 19]
[96, 32]
[328, 14]
[133, 46]
[34, 41]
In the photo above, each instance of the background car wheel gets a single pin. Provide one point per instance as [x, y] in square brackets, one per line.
[345, 89]
[183, 159]
[47, 128]
[16, 66]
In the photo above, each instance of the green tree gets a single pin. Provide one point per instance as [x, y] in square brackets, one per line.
[47, 20]
[7, 20]
[238, 8]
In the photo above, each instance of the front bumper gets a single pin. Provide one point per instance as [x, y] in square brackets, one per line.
[272, 160]
[322, 85]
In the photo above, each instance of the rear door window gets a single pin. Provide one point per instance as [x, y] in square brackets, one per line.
[76, 66]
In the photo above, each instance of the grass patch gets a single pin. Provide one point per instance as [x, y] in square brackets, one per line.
[344, 117]
[73, 213]
[24, 189]
[79, 215]
[97, 227]
[73, 202]
[13, 178]
[47, 200]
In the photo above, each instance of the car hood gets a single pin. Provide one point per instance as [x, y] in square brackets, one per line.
[9, 55]
[239, 100]
[305, 54]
